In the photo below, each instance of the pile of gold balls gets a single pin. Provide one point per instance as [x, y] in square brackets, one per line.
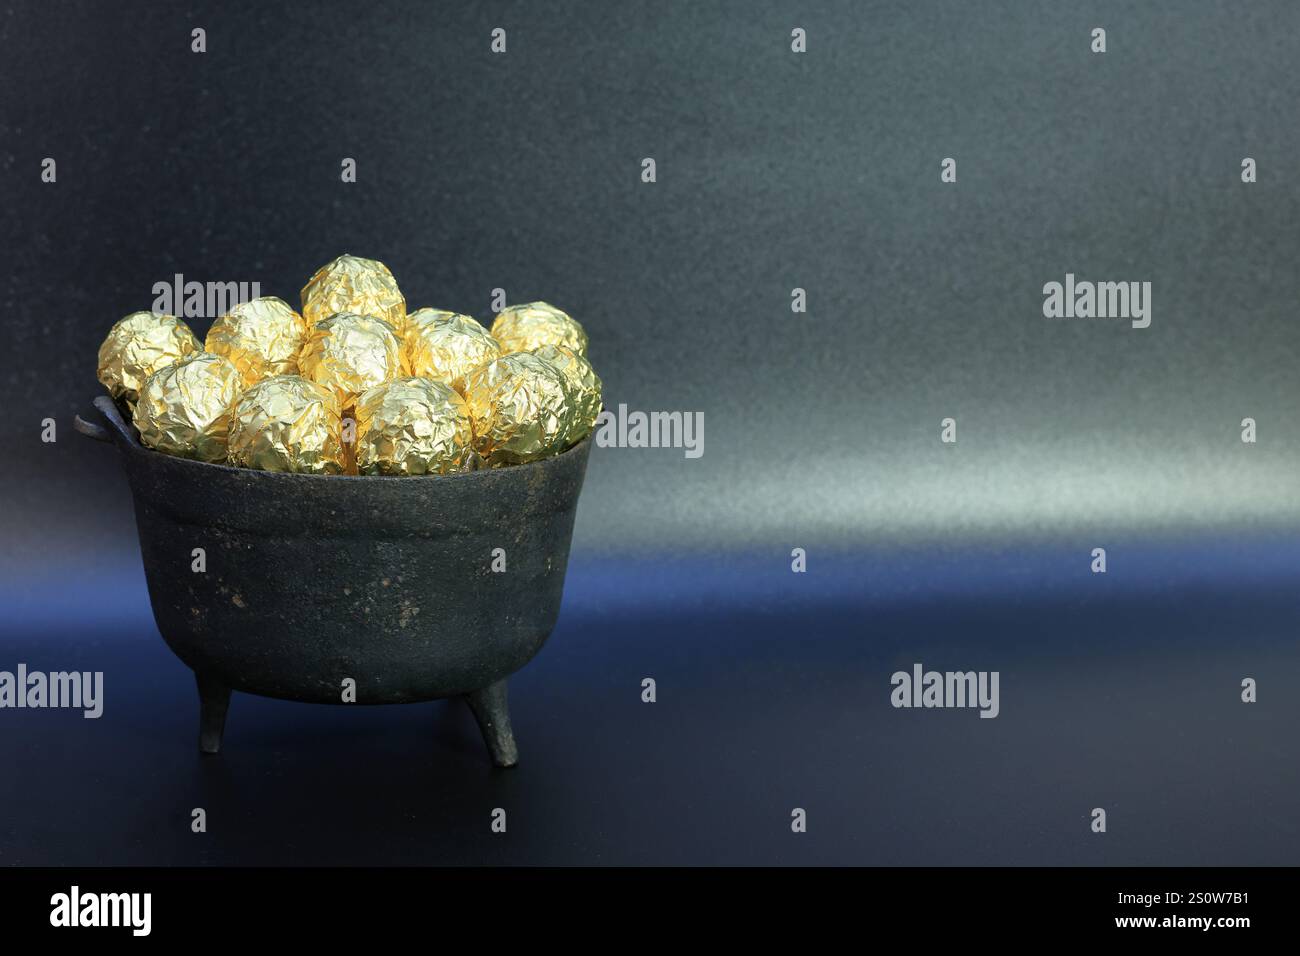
[354, 384]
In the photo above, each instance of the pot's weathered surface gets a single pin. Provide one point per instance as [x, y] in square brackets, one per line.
[311, 581]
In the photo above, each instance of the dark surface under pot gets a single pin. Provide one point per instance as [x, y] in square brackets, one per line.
[309, 582]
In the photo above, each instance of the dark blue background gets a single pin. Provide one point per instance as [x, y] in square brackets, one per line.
[1119, 691]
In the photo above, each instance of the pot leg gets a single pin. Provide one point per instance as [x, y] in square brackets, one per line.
[214, 701]
[489, 707]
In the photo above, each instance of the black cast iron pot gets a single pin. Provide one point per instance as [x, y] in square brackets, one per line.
[312, 581]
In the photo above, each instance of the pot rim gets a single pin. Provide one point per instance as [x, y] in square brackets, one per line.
[124, 436]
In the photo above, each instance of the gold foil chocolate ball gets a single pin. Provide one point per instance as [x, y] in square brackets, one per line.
[286, 423]
[522, 328]
[413, 426]
[446, 346]
[261, 338]
[353, 284]
[350, 353]
[584, 388]
[184, 409]
[520, 408]
[137, 346]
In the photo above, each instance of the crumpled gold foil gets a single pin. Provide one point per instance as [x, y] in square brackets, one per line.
[353, 284]
[584, 388]
[520, 408]
[350, 353]
[446, 346]
[184, 409]
[413, 426]
[522, 328]
[137, 346]
[287, 423]
[426, 316]
[261, 338]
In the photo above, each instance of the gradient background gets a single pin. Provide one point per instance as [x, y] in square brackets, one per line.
[775, 170]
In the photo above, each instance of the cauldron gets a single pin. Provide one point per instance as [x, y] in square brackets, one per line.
[413, 588]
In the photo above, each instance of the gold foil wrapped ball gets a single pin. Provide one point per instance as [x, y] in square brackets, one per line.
[261, 338]
[520, 408]
[356, 285]
[446, 346]
[584, 388]
[184, 409]
[137, 346]
[522, 328]
[413, 426]
[350, 353]
[287, 423]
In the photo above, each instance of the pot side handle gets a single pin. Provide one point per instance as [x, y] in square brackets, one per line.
[117, 428]
[91, 430]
